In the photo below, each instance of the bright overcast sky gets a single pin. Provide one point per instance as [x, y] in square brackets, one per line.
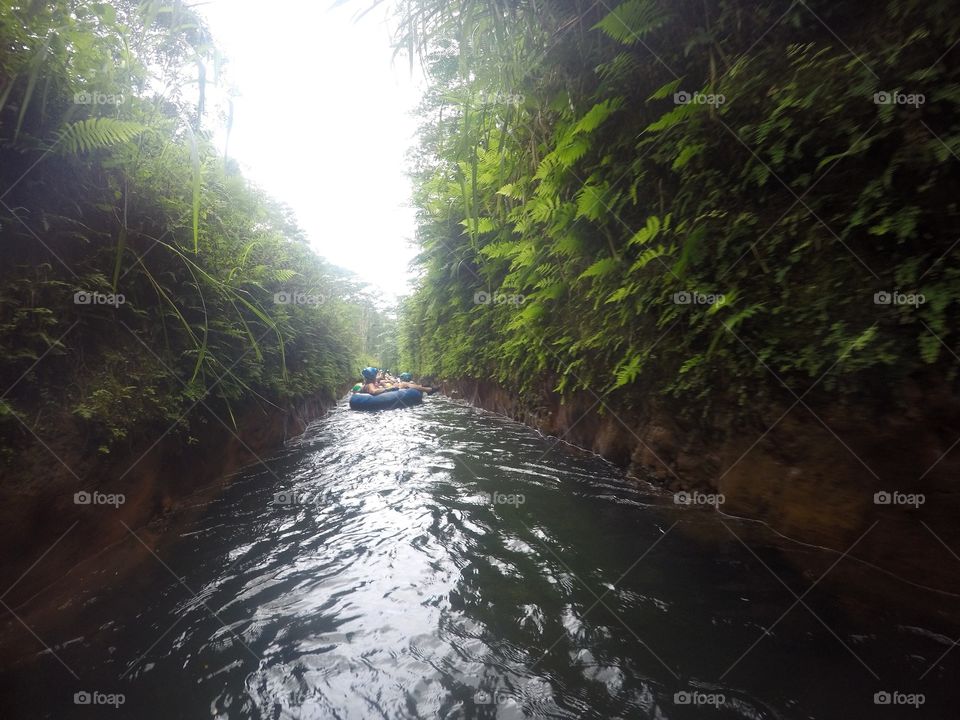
[323, 122]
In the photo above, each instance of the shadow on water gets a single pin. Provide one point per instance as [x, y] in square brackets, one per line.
[444, 562]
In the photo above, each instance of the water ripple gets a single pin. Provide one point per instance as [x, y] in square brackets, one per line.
[442, 562]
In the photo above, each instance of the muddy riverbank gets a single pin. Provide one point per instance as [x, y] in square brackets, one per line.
[831, 477]
[61, 496]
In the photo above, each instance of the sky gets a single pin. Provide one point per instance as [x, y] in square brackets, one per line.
[322, 122]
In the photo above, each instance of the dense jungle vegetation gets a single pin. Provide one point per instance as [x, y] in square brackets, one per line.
[142, 276]
[697, 200]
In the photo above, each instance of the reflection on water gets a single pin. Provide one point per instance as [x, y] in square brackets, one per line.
[469, 568]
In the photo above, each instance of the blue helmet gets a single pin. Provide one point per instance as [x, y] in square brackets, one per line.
[406, 377]
[369, 373]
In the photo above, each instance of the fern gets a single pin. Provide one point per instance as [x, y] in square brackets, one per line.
[96, 133]
[667, 90]
[628, 371]
[646, 233]
[674, 117]
[600, 268]
[630, 21]
[479, 226]
[592, 201]
[283, 275]
[596, 115]
[571, 151]
[647, 257]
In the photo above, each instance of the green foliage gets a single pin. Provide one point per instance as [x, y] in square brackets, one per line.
[95, 133]
[130, 198]
[632, 20]
[783, 187]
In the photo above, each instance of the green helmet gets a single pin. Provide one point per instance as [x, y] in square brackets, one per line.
[406, 377]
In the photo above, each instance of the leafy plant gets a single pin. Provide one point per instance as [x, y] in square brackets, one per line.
[661, 154]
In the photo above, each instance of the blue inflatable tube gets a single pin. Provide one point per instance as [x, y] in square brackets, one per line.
[406, 397]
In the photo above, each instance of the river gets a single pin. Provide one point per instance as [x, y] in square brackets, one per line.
[444, 562]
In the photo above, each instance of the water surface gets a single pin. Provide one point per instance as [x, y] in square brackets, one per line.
[443, 562]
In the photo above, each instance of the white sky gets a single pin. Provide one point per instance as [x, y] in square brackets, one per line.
[323, 122]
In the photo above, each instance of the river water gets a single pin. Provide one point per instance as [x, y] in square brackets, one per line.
[443, 562]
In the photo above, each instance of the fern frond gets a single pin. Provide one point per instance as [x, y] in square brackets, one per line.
[284, 274]
[592, 201]
[602, 267]
[96, 133]
[632, 20]
[596, 115]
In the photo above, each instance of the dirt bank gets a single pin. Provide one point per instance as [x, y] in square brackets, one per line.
[39, 501]
[812, 474]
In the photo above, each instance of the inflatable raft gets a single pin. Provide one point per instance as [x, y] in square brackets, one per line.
[406, 397]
